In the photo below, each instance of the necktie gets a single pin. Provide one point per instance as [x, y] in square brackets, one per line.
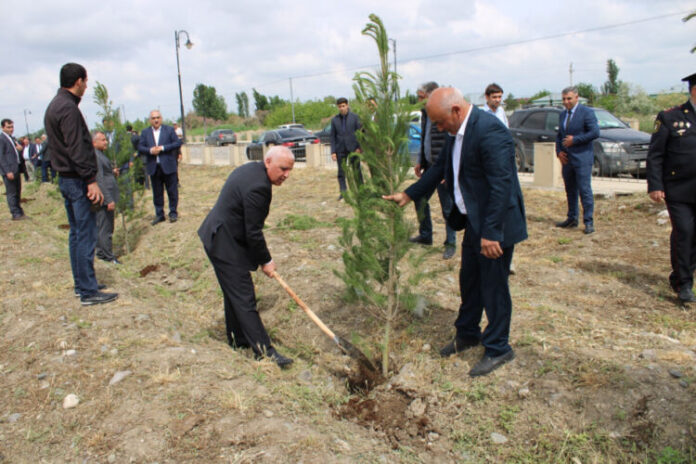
[570, 114]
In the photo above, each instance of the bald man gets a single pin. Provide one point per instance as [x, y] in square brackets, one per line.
[478, 166]
[159, 145]
[232, 235]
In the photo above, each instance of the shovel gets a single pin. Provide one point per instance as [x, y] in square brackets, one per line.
[343, 344]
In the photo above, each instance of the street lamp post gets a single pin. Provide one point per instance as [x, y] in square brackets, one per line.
[26, 123]
[188, 45]
[393, 41]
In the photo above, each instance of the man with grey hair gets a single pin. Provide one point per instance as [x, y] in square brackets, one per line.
[577, 128]
[478, 166]
[232, 235]
[106, 179]
[432, 141]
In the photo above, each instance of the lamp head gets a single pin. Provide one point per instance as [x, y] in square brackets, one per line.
[188, 43]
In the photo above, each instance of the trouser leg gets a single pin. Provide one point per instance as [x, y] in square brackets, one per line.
[571, 188]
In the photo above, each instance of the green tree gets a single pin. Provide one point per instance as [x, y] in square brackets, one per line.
[376, 238]
[121, 152]
[611, 86]
[208, 104]
[588, 91]
[242, 104]
[310, 113]
[511, 103]
[260, 101]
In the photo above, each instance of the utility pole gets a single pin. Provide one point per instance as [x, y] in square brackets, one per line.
[292, 101]
[570, 70]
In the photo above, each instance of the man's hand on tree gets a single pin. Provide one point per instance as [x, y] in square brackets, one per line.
[399, 198]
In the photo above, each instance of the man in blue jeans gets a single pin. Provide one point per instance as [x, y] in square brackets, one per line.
[432, 141]
[73, 157]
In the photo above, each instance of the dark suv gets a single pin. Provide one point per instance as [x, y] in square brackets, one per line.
[221, 137]
[618, 149]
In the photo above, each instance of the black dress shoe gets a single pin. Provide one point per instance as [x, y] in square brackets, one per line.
[568, 223]
[589, 229]
[419, 239]
[98, 298]
[686, 295]
[157, 220]
[458, 345]
[271, 353]
[488, 364]
[449, 252]
[173, 218]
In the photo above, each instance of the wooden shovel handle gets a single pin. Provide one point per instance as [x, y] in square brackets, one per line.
[304, 307]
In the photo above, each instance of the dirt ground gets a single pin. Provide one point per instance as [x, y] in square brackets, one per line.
[605, 367]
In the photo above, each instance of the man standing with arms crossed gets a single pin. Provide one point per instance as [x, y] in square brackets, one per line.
[72, 156]
[160, 145]
[671, 176]
[343, 142]
[577, 128]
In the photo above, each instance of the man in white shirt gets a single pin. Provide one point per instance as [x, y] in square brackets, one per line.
[10, 169]
[494, 100]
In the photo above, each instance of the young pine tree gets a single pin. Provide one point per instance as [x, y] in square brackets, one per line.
[376, 238]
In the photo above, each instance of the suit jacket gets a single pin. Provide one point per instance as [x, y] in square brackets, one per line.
[8, 156]
[487, 180]
[671, 165]
[584, 128]
[437, 141]
[167, 157]
[344, 140]
[106, 179]
[233, 230]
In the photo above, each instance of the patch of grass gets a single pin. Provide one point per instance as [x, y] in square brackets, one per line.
[555, 259]
[564, 241]
[479, 392]
[80, 322]
[301, 222]
[205, 333]
[670, 455]
[507, 416]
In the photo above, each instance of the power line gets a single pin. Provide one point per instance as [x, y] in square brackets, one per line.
[487, 47]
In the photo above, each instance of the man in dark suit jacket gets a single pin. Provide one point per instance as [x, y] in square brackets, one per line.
[106, 178]
[671, 175]
[577, 128]
[344, 142]
[160, 145]
[478, 166]
[11, 168]
[232, 235]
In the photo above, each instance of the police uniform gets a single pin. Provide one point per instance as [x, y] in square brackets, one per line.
[671, 168]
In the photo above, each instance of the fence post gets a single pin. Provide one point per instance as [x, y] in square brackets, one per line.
[547, 167]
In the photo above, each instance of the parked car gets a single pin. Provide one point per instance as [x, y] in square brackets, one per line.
[220, 137]
[324, 134]
[414, 142]
[618, 149]
[295, 139]
[291, 126]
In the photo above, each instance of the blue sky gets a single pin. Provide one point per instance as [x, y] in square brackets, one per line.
[129, 47]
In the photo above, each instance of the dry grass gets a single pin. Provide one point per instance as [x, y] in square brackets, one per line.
[595, 327]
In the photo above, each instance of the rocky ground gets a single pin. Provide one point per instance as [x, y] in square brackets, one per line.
[604, 370]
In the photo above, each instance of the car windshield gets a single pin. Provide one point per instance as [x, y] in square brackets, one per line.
[292, 133]
[226, 132]
[607, 120]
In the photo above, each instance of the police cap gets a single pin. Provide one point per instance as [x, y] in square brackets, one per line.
[690, 79]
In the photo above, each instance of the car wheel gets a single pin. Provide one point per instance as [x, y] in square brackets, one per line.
[519, 158]
[597, 170]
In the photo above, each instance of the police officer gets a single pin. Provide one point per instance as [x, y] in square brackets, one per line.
[671, 175]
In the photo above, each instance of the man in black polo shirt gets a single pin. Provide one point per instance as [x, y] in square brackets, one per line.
[73, 157]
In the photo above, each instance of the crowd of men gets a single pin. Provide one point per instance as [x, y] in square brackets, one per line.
[467, 155]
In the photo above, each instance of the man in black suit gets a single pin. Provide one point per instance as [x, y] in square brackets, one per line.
[232, 235]
[671, 175]
[11, 168]
[343, 142]
[478, 166]
[160, 147]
